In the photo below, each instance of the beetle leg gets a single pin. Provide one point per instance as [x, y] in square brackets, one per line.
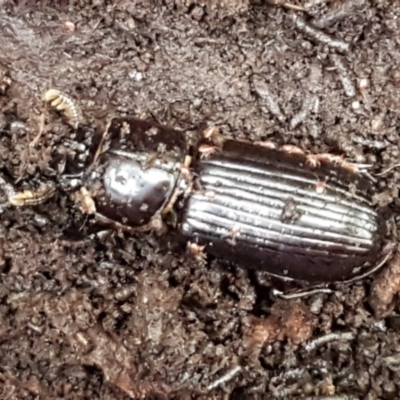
[157, 225]
[187, 178]
[313, 161]
[363, 169]
[85, 201]
[268, 144]
[322, 289]
[206, 151]
[211, 132]
[288, 148]
[326, 157]
[389, 250]
[197, 251]
[212, 135]
[170, 205]
[187, 174]
[301, 293]
[387, 170]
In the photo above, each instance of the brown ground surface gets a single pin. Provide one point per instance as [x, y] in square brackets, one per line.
[122, 317]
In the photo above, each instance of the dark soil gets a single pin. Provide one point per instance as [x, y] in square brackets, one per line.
[119, 317]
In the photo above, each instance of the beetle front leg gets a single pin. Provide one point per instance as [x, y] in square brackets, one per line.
[213, 135]
[198, 252]
[85, 201]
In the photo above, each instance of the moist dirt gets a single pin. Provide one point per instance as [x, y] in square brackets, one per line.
[116, 316]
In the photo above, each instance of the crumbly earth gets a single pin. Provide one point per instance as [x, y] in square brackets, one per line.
[114, 316]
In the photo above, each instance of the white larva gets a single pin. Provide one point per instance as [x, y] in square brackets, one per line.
[64, 103]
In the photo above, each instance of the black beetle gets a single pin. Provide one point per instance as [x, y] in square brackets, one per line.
[295, 216]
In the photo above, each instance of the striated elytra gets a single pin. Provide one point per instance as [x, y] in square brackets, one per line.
[293, 215]
[269, 212]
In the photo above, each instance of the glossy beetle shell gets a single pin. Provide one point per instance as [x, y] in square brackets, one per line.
[132, 195]
[295, 216]
[134, 177]
[269, 210]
